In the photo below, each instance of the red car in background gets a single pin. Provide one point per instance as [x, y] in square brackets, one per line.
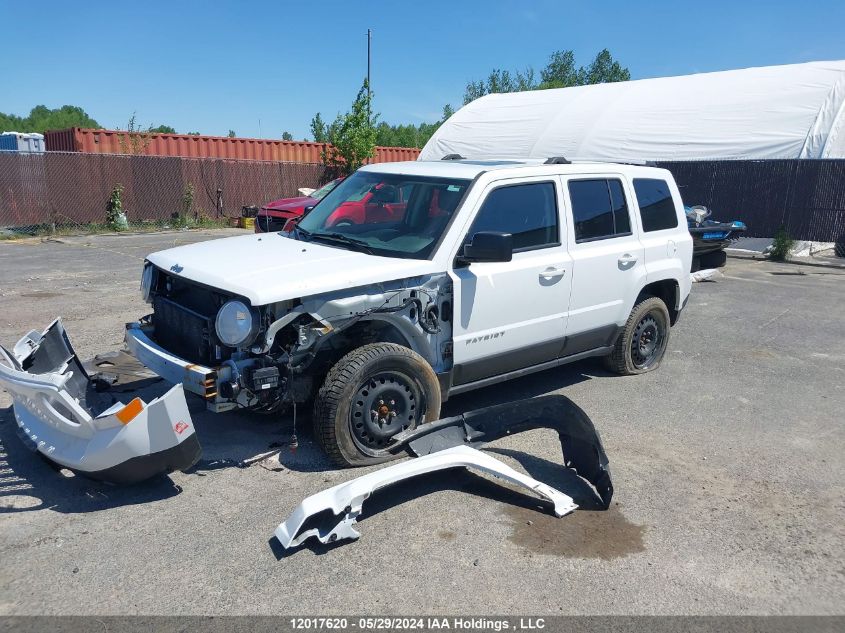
[380, 203]
[274, 215]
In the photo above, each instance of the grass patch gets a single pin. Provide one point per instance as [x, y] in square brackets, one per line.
[98, 228]
[781, 245]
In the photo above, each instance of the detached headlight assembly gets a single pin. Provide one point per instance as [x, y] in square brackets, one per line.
[236, 324]
[147, 283]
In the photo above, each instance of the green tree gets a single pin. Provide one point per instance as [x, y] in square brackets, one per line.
[232, 134]
[559, 72]
[352, 135]
[409, 135]
[41, 118]
[193, 133]
[287, 136]
[184, 216]
[500, 81]
[115, 214]
[319, 129]
[603, 69]
[162, 129]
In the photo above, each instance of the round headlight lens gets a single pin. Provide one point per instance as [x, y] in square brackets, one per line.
[147, 283]
[236, 324]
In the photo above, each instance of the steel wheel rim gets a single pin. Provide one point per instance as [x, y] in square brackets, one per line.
[383, 405]
[647, 341]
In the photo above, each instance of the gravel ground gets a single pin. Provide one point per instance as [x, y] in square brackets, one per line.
[727, 464]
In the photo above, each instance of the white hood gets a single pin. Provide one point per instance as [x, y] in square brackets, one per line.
[267, 268]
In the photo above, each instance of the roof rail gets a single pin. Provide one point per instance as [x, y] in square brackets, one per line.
[453, 157]
[557, 160]
[629, 161]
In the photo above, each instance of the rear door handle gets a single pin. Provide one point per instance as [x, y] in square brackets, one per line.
[627, 258]
[552, 272]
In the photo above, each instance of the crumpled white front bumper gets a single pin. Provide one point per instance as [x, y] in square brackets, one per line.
[61, 414]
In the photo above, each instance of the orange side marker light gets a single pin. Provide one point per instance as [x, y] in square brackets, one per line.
[130, 411]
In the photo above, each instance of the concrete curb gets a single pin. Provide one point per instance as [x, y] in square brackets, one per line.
[801, 261]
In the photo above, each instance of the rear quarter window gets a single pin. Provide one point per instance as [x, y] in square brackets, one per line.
[657, 209]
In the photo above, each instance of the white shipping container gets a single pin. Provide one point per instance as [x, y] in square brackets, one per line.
[22, 142]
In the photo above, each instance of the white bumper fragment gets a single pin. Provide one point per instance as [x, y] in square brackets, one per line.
[340, 506]
[62, 415]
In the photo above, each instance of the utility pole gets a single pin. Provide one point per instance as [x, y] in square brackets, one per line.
[369, 84]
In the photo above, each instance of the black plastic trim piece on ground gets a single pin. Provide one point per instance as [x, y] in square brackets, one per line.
[579, 439]
[137, 469]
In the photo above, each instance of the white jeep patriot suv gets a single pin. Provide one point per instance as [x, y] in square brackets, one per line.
[414, 281]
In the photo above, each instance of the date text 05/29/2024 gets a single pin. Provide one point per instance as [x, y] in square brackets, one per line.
[418, 623]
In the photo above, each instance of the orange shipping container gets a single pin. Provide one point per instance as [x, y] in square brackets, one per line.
[196, 146]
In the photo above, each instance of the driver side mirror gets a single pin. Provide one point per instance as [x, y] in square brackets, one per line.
[489, 246]
[307, 210]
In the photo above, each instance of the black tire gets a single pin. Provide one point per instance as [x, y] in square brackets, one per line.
[388, 380]
[642, 343]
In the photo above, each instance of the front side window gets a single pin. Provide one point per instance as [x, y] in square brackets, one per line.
[528, 212]
[393, 215]
[657, 209]
[599, 209]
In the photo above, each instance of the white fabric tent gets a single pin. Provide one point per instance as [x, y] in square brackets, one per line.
[795, 111]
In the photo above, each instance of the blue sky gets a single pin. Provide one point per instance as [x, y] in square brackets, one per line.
[215, 66]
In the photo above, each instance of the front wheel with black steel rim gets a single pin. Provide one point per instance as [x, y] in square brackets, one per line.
[370, 395]
[642, 342]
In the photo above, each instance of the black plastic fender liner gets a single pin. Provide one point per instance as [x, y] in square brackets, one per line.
[579, 439]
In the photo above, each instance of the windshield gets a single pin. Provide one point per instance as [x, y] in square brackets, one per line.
[385, 214]
[320, 193]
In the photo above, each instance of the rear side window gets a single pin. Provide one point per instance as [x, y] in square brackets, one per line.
[657, 209]
[599, 209]
[528, 212]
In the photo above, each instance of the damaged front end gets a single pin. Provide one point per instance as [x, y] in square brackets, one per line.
[236, 355]
[62, 414]
[330, 515]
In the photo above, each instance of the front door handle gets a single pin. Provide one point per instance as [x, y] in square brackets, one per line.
[552, 272]
[627, 259]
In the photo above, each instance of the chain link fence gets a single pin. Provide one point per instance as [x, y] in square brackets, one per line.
[57, 192]
[806, 197]
[63, 192]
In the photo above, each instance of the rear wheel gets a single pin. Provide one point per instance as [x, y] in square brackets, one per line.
[642, 343]
[370, 395]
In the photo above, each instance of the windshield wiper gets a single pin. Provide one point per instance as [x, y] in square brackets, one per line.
[340, 238]
[300, 231]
